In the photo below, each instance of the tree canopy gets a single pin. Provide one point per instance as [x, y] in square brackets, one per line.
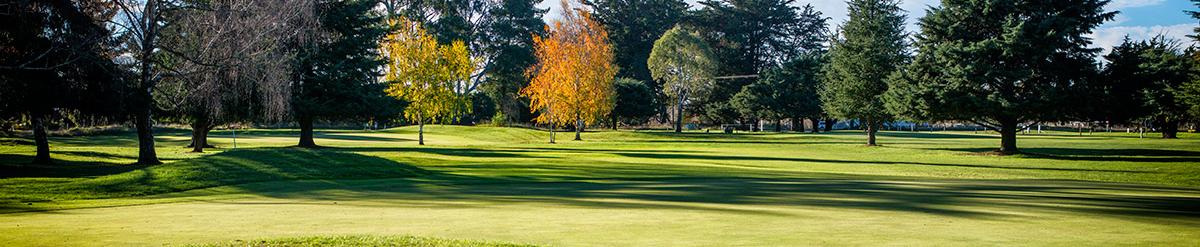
[573, 78]
[426, 74]
[871, 46]
[686, 66]
[998, 64]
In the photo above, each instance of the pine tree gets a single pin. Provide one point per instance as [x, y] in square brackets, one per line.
[335, 76]
[510, 37]
[999, 64]
[871, 47]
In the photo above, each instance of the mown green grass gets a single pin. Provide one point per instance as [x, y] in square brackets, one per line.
[614, 188]
[347, 241]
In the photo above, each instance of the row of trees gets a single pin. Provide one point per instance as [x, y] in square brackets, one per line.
[1005, 65]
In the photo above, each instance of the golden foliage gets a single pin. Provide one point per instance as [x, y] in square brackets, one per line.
[426, 74]
[573, 78]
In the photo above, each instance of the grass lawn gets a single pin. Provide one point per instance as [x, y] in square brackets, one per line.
[625, 188]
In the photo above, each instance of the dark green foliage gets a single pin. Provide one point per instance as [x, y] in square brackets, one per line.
[1195, 15]
[55, 57]
[633, 26]
[635, 102]
[510, 38]
[483, 108]
[790, 91]
[999, 64]
[1146, 81]
[871, 47]
[336, 74]
[752, 37]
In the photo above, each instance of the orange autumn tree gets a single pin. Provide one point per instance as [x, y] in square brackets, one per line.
[573, 78]
[425, 74]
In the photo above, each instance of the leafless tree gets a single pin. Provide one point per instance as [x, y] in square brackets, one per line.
[231, 61]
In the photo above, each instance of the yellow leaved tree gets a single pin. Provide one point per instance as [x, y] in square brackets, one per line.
[573, 78]
[426, 74]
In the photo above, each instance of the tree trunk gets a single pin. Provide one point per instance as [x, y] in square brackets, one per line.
[778, 125]
[40, 139]
[199, 134]
[420, 132]
[1170, 129]
[1008, 137]
[146, 154]
[871, 130]
[798, 124]
[679, 116]
[306, 132]
[828, 124]
[816, 125]
[551, 132]
[578, 128]
[614, 122]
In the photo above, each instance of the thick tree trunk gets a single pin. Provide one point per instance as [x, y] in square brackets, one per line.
[578, 128]
[146, 154]
[1170, 129]
[614, 122]
[306, 131]
[1008, 137]
[798, 124]
[40, 139]
[828, 124]
[679, 116]
[200, 127]
[778, 125]
[871, 130]
[142, 121]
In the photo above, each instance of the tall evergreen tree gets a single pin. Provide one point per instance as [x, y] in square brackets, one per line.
[753, 36]
[1146, 81]
[1191, 89]
[335, 78]
[999, 64]
[870, 48]
[510, 37]
[633, 26]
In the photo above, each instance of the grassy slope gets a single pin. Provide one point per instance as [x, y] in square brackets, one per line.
[639, 188]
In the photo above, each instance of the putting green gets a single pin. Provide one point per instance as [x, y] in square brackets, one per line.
[614, 188]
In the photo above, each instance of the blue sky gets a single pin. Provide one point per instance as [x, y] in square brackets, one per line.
[1139, 19]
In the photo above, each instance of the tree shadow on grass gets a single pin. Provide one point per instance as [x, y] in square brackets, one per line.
[342, 174]
[811, 160]
[18, 166]
[227, 168]
[983, 199]
[460, 152]
[1081, 154]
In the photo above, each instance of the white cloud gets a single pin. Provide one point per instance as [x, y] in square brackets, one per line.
[1107, 37]
[1124, 4]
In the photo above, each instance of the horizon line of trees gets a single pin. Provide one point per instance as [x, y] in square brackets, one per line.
[1002, 65]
